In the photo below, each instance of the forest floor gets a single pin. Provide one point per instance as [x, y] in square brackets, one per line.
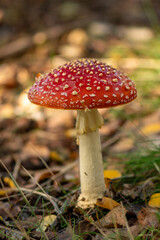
[39, 170]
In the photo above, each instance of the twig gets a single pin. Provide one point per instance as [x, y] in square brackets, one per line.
[29, 191]
[17, 167]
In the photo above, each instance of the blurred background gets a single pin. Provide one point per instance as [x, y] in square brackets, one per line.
[37, 35]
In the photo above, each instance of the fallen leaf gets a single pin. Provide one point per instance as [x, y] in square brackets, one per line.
[9, 183]
[154, 201]
[48, 235]
[6, 207]
[31, 154]
[151, 128]
[22, 76]
[125, 144]
[99, 29]
[8, 75]
[46, 222]
[131, 190]
[31, 222]
[112, 174]
[73, 155]
[148, 217]
[57, 119]
[7, 111]
[107, 182]
[115, 217]
[107, 203]
[43, 174]
[78, 37]
[14, 235]
[123, 232]
[56, 156]
[135, 34]
[3, 192]
[71, 50]
[65, 234]
[24, 125]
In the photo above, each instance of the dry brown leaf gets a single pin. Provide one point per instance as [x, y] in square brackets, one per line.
[115, 217]
[36, 150]
[132, 191]
[147, 217]
[6, 207]
[7, 111]
[8, 75]
[123, 232]
[107, 203]
[71, 51]
[78, 37]
[65, 234]
[41, 176]
[57, 119]
[31, 222]
[125, 144]
[23, 76]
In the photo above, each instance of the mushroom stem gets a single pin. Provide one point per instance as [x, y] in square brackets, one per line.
[91, 164]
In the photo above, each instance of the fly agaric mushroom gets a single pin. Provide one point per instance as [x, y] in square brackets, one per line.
[85, 85]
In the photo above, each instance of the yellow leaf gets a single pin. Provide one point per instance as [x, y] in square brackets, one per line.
[107, 203]
[9, 182]
[3, 192]
[154, 201]
[112, 174]
[107, 182]
[54, 155]
[46, 222]
[151, 128]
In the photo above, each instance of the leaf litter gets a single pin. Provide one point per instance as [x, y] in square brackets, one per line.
[43, 141]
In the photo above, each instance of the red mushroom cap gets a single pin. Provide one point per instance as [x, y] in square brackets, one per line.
[81, 84]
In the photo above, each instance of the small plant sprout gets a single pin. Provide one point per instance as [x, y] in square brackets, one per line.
[85, 85]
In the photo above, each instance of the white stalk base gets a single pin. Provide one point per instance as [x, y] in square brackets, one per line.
[91, 169]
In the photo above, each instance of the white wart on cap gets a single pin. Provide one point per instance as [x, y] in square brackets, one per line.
[81, 84]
